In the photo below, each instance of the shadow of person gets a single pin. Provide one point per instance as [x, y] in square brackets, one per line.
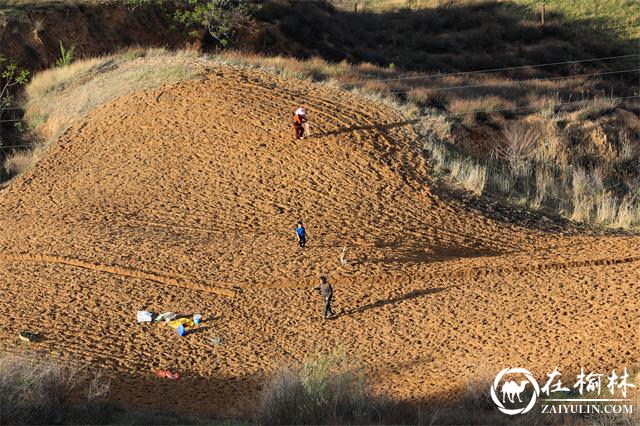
[381, 303]
[379, 127]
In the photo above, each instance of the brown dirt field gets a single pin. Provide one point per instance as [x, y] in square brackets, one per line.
[184, 198]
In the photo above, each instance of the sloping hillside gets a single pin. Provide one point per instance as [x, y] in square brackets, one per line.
[183, 198]
[571, 82]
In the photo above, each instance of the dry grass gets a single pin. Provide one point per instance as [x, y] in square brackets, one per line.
[37, 392]
[598, 107]
[464, 104]
[19, 161]
[606, 209]
[628, 151]
[552, 145]
[54, 79]
[327, 389]
[315, 69]
[584, 170]
[518, 148]
[61, 96]
[612, 419]
[470, 174]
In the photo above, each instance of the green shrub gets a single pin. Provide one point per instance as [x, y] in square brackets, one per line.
[66, 56]
[221, 19]
[10, 76]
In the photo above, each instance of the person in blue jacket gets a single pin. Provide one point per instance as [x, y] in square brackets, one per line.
[302, 234]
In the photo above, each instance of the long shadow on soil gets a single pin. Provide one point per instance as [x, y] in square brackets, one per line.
[379, 127]
[418, 254]
[174, 402]
[380, 303]
[187, 397]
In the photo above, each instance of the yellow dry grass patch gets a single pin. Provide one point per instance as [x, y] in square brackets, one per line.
[62, 96]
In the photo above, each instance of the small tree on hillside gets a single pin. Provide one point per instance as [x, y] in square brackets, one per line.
[518, 148]
[10, 76]
[219, 18]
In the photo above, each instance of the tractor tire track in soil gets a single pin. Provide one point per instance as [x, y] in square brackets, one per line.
[116, 270]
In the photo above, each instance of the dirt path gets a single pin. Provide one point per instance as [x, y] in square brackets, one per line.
[184, 198]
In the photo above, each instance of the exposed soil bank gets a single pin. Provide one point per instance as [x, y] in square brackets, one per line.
[32, 36]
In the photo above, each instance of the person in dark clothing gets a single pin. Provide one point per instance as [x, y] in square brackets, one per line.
[302, 234]
[326, 291]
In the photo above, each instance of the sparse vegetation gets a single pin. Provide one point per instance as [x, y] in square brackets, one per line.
[221, 19]
[56, 78]
[469, 173]
[19, 161]
[619, 17]
[37, 391]
[325, 390]
[560, 170]
[66, 56]
[44, 392]
[517, 148]
[328, 389]
[10, 77]
[55, 102]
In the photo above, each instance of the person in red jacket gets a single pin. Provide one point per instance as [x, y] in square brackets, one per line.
[299, 123]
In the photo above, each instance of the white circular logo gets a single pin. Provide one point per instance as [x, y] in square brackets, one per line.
[511, 391]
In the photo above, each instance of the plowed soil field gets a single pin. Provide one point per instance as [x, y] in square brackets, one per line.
[185, 198]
